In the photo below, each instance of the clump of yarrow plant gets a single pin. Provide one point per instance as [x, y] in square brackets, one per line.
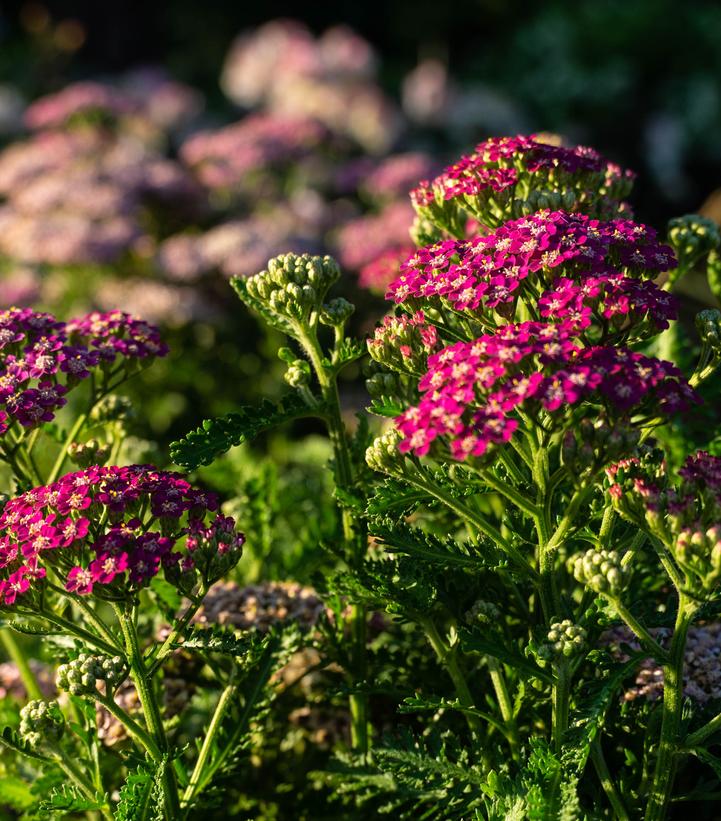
[519, 393]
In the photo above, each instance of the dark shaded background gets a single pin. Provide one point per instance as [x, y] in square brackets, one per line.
[639, 80]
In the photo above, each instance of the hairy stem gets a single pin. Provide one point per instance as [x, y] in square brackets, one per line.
[151, 711]
[669, 742]
[354, 532]
[504, 702]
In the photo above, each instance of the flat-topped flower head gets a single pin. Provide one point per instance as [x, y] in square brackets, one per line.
[506, 177]
[41, 358]
[515, 261]
[471, 389]
[109, 531]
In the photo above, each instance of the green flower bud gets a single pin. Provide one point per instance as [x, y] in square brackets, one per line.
[298, 374]
[564, 639]
[601, 570]
[336, 312]
[88, 453]
[80, 676]
[382, 384]
[113, 409]
[708, 325]
[383, 455]
[41, 723]
[692, 238]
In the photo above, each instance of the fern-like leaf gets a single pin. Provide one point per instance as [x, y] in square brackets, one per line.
[216, 436]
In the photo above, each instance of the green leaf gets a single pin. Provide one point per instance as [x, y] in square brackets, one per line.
[399, 537]
[68, 799]
[396, 498]
[218, 639]
[11, 739]
[216, 436]
[498, 647]
[239, 285]
[349, 350]
[167, 593]
[386, 406]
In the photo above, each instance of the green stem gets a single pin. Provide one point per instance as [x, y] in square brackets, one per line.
[561, 691]
[67, 765]
[521, 501]
[668, 748]
[354, 532]
[476, 519]
[60, 460]
[604, 776]
[151, 711]
[646, 639]
[225, 700]
[73, 629]
[504, 702]
[134, 729]
[448, 657]
[17, 656]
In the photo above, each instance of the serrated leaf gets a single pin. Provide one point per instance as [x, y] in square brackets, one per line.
[397, 498]
[239, 285]
[499, 648]
[399, 537]
[218, 639]
[349, 350]
[216, 436]
[386, 406]
[11, 739]
[68, 799]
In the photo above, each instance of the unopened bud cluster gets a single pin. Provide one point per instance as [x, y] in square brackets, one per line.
[80, 676]
[403, 343]
[41, 723]
[564, 640]
[336, 312]
[693, 237]
[698, 553]
[297, 374]
[85, 454]
[708, 325]
[594, 444]
[483, 612]
[383, 455]
[294, 285]
[600, 570]
[112, 409]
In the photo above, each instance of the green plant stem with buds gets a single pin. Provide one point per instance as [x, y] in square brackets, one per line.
[354, 531]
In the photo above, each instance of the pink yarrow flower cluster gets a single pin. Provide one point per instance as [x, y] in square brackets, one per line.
[488, 271]
[41, 358]
[498, 165]
[54, 110]
[472, 388]
[404, 341]
[110, 530]
[223, 158]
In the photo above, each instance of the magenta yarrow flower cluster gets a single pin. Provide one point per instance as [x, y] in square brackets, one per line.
[472, 388]
[109, 531]
[41, 358]
[489, 271]
[505, 169]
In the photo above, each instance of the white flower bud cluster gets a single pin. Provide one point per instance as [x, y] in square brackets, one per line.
[383, 455]
[80, 676]
[294, 285]
[41, 723]
[600, 570]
